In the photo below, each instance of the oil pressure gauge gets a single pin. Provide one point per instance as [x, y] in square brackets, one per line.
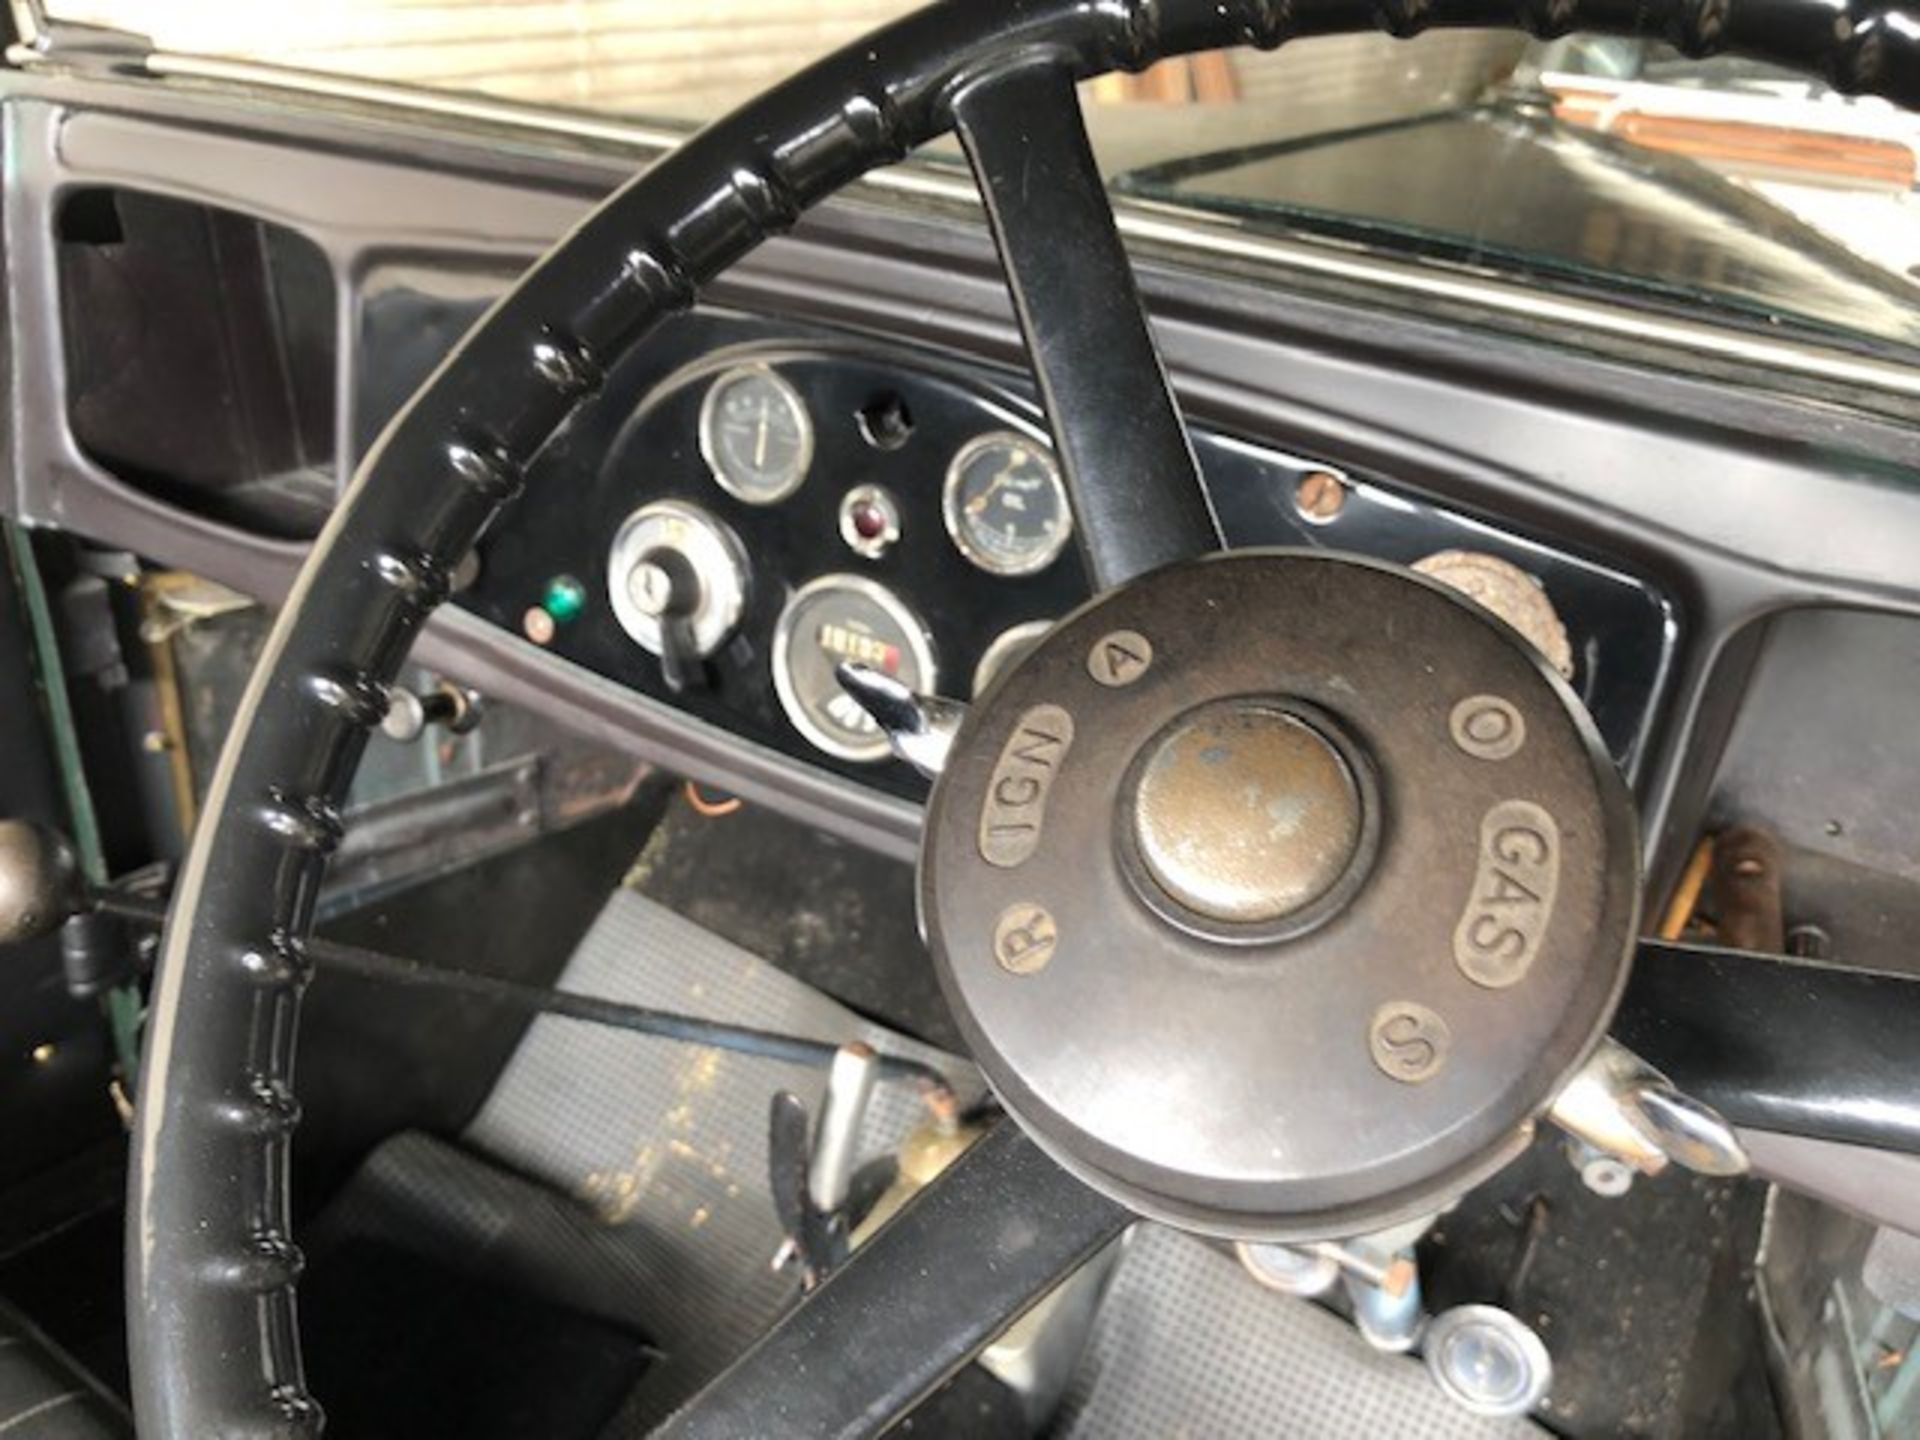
[836, 618]
[756, 435]
[1005, 505]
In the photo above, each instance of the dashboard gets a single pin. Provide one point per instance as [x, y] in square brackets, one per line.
[751, 502]
[1637, 504]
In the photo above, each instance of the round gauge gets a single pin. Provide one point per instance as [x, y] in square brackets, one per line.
[1005, 505]
[756, 435]
[1509, 592]
[845, 617]
[1008, 646]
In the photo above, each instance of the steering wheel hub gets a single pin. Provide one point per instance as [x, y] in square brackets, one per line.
[1243, 819]
[1278, 892]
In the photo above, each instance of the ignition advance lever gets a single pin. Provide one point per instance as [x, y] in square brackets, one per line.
[920, 728]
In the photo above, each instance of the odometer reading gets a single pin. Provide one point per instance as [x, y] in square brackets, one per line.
[1005, 505]
[839, 618]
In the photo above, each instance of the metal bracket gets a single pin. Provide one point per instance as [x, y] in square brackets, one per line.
[93, 49]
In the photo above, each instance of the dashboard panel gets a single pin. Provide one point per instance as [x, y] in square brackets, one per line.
[817, 496]
[1595, 450]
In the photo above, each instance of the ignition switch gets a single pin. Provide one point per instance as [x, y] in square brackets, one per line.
[665, 587]
[677, 578]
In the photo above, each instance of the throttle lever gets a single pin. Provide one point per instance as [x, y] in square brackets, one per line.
[1623, 1107]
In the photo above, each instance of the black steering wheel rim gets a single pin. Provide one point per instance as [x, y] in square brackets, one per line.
[212, 1265]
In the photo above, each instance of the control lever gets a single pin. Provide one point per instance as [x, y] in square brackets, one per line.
[1621, 1106]
[809, 1233]
[665, 587]
[409, 715]
[921, 728]
[836, 1140]
[813, 1184]
[42, 891]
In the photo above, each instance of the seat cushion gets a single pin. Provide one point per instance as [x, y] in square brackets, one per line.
[434, 1303]
[45, 1395]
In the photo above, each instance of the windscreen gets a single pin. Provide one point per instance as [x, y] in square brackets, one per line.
[1615, 166]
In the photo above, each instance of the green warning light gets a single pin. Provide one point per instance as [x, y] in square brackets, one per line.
[565, 598]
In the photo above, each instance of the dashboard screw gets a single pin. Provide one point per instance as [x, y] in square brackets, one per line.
[1320, 496]
[1809, 942]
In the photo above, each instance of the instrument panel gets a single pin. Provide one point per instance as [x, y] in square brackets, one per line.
[748, 504]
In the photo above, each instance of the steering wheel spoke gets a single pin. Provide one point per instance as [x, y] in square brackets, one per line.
[1780, 1045]
[966, 1257]
[1123, 447]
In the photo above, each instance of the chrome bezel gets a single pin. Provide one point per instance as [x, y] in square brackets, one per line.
[882, 500]
[994, 658]
[956, 525]
[716, 555]
[1525, 1341]
[709, 433]
[919, 642]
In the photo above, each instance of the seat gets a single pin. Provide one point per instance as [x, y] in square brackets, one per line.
[444, 1295]
[45, 1395]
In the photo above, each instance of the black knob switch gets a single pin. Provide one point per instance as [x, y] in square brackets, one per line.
[40, 881]
[665, 586]
[409, 715]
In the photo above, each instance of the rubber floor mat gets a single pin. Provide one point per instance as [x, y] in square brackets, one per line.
[1188, 1347]
[667, 1143]
[665, 1146]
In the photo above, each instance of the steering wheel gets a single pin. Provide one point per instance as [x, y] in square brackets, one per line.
[211, 1263]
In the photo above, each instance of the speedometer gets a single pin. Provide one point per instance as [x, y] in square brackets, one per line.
[836, 618]
[1005, 505]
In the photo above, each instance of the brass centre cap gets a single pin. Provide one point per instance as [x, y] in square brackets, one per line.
[1245, 814]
